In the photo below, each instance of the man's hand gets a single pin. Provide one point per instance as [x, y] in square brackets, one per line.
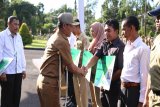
[23, 74]
[146, 102]
[3, 77]
[85, 70]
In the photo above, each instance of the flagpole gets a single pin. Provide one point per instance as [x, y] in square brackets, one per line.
[81, 14]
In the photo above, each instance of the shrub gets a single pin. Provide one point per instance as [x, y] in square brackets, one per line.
[26, 36]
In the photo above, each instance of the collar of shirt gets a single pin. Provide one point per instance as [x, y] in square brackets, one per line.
[62, 34]
[135, 43]
[79, 37]
[9, 33]
[156, 40]
[114, 42]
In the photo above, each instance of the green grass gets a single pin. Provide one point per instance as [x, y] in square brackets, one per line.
[37, 44]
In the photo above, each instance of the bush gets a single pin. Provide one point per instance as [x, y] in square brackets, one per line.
[151, 33]
[26, 36]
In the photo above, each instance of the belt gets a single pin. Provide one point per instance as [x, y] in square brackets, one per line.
[130, 84]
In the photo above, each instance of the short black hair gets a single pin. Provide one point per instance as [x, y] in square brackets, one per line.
[132, 20]
[11, 18]
[76, 20]
[113, 23]
[60, 24]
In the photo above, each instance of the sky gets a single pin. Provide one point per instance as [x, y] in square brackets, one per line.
[55, 4]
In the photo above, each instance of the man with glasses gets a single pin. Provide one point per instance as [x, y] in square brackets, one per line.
[152, 98]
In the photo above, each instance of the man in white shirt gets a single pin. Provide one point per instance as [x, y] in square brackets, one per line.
[11, 46]
[135, 66]
[72, 40]
[80, 83]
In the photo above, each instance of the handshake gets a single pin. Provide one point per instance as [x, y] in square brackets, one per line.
[83, 71]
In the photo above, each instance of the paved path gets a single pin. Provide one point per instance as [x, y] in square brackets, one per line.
[29, 97]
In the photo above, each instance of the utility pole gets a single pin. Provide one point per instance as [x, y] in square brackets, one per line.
[75, 9]
[145, 17]
[75, 5]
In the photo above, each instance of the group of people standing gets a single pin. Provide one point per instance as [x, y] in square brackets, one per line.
[130, 84]
[136, 72]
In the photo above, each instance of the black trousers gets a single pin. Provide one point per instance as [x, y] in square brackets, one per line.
[71, 92]
[110, 98]
[129, 97]
[11, 90]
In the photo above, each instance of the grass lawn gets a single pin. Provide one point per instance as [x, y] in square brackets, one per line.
[37, 44]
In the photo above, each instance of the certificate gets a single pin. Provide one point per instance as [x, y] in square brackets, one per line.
[4, 64]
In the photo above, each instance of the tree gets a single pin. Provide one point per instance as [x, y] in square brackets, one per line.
[4, 4]
[51, 19]
[110, 9]
[89, 15]
[120, 9]
[39, 17]
[26, 36]
[25, 11]
[14, 13]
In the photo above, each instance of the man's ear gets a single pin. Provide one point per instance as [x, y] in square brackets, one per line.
[64, 25]
[117, 31]
[132, 27]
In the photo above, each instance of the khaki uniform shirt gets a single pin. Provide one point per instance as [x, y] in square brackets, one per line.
[82, 44]
[57, 44]
[155, 64]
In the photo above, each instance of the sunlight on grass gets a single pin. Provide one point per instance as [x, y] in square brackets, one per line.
[37, 44]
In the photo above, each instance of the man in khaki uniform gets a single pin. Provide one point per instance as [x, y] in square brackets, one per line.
[56, 56]
[80, 83]
[152, 97]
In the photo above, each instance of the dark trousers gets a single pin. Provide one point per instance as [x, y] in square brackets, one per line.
[129, 97]
[110, 98]
[11, 90]
[71, 92]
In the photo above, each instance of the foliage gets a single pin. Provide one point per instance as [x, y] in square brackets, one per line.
[14, 13]
[37, 43]
[54, 14]
[47, 28]
[151, 33]
[26, 36]
[25, 11]
[41, 23]
[39, 19]
[4, 4]
[89, 15]
[120, 9]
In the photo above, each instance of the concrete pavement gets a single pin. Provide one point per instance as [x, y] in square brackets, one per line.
[29, 97]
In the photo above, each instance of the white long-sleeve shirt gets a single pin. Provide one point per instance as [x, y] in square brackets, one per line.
[12, 47]
[72, 40]
[136, 64]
